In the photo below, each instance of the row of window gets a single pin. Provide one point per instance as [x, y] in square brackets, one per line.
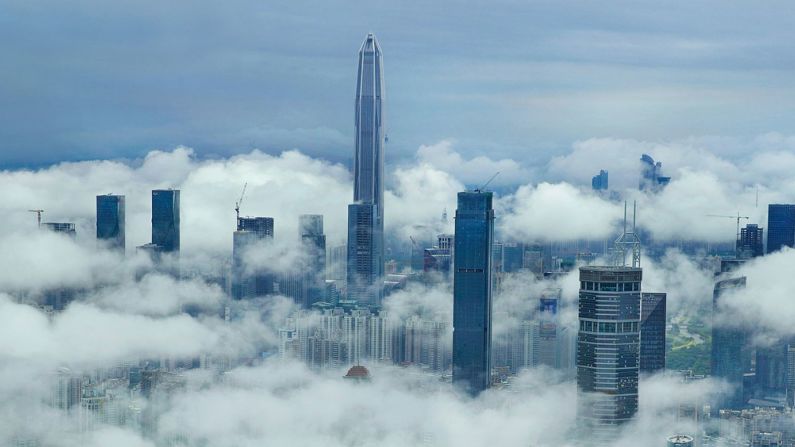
[610, 286]
[610, 328]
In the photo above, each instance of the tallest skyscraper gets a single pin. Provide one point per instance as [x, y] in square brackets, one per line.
[366, 214]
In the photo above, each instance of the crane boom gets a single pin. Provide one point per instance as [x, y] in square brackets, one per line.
[240, 201]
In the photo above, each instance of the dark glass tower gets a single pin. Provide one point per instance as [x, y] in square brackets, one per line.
[110, 221]
[780, 227]
[730, 358]
[608, 348]
[165, 220]
[472, 291]
[652, 332]
[314, 241]
[366, 247]
[247, 283]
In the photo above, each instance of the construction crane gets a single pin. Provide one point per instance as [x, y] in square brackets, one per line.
[240, 202]
[737, 217]
[487, 182]
[38, 215]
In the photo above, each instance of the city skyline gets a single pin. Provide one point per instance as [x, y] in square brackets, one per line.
[485, 288]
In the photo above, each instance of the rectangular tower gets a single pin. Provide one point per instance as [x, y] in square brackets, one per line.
[165, 220]
[110, 221]
[730, 357]
[314, 243]
[246, 281]
[608, 348]
[780, 227]
[472, 291]
[652, 332]
[751, 243]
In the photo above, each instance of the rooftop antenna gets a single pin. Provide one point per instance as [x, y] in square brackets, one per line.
[38, 215]
[487, 183]
[628, 241]
[240, 202]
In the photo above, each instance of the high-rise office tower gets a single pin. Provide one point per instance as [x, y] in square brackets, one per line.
[771, 368]
[751, 243]
[548, 346]
[651, 178]
[599, 181]
[652, 332]
[165, 220]
[110, 221]
[366, 214]
[730, 358]
[314, 241]
[472, 291]
[780, 227]
[248, 281]
[608, 347]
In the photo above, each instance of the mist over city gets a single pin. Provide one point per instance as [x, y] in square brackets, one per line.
[397, 224]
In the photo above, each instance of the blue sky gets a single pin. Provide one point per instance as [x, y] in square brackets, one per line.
[506, 79]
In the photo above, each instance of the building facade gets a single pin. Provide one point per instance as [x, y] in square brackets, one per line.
[165, 220]
[472, 291]
[111, 220]
[248, 281]
[608, 348]
[780, 227]
[652, 332]
[730, 358]
[366, 214]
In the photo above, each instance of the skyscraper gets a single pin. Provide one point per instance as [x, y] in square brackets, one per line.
[751, 243]
[247, 281]
[314, 241]
[608, 345]
[730, 358]
[599, 181]
[366, 244]
[472, 291]
[165, 220]
[652, 332]
[651, 178]
[110, 221]
[780, 227]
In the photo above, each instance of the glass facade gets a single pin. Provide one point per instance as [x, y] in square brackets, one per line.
[314, 241]
[730, 357]
[652, 332]
[365, 255]
[608, 348]
[110, 221]
[246, 282]
[780, 227]
[366, 215]
[165, 220]
[472, 291]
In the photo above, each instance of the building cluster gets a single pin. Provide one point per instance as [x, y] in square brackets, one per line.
[620, 335]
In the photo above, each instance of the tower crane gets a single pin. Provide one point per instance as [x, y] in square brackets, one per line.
[240, 202]
[38, 215]
[737, 217]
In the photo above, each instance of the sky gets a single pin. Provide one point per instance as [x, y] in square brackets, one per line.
[512, 80]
